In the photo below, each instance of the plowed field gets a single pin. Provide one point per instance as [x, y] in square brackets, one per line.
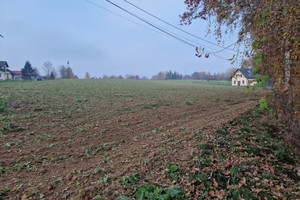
[75, 139]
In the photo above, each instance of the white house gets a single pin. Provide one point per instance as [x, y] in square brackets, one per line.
[5, 73]
[243, 77]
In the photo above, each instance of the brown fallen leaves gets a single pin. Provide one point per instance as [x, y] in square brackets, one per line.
[242, 162]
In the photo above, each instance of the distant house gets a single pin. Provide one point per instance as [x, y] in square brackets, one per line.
[17, 75]
[243, 77]
[5, 73]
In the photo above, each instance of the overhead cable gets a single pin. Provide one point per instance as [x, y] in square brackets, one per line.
[150, 24]
[164, 21]
[121, 16]
[173, 35]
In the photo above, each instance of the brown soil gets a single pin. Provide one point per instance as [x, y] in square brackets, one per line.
[82, 153]
[168, 137]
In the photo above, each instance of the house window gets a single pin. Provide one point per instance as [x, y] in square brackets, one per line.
[234, 82]
[0, 74]
[243, 82]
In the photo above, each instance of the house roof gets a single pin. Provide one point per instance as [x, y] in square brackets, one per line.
[17, 72]
[247, 73]
[3, 64]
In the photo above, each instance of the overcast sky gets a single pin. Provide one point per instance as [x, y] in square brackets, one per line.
[99, 42]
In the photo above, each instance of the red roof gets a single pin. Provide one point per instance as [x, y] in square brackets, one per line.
[17, 72]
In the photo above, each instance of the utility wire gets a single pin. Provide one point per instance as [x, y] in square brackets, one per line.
[216, 51]
[179, 28]
[123, 17]
[150, 24]
[107, 10]
[137, 22]
[145, 21]
[222, 49]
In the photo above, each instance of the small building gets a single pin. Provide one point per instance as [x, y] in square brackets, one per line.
[243, 77]
[17, 75]
[5, 73]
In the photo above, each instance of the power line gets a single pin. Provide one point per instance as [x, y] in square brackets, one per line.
[179, 28]
[123, 17]
[150, 24]
[173, 35]
[221, 49]
[216, 51]
[147, 22]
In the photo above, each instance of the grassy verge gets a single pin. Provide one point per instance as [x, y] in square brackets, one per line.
[246, 159]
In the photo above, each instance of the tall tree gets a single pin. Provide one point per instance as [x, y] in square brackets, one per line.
[69, 73]
[48, 68]
[269, 33]
[62, 71]
[27, 71]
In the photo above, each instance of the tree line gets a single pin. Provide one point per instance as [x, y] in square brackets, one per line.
[169, 75]
[50, 72]
[172, 75]
[127, 76]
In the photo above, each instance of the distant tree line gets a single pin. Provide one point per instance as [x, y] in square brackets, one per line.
[169, 75]
[208, 76]
[127, 76]
[173, 75]
[50, 73]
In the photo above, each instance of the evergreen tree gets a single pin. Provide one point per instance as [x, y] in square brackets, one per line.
[27, 71]
[52, 75]
[169, 75]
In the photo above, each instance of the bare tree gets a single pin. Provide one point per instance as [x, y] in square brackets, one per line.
[36, 72]
[62, 71]
[66, 72]
[47, 67]
[230, 71]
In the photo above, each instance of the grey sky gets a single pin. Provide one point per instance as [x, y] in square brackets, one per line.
[98, 42]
